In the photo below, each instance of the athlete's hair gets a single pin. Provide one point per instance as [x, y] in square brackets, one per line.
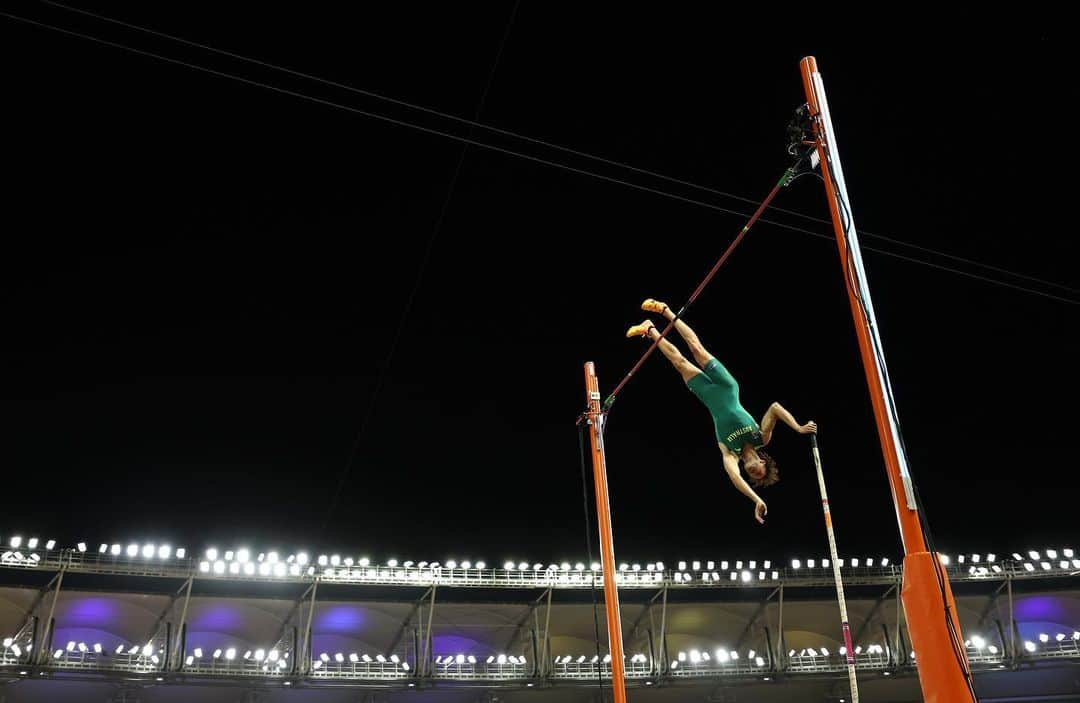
[772, 474]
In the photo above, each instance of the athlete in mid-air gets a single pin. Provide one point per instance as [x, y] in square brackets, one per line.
[739, 436]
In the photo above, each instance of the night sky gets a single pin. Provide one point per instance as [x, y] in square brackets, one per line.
[219, 300]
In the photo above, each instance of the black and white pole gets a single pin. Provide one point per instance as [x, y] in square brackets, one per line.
[849, 654]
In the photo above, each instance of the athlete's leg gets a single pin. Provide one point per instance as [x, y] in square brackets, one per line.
[680, 362]
[701, 354]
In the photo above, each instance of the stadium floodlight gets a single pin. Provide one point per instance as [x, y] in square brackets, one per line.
[15, 542]
[1043, 637]
[317, 665]
[746, 576]
[405, 666]
[71, 646]
[58, 653]
[1029, 646]
[682, 656]
[595, 566]
[944, 558]
[1045, 565]
[1052, 553]
[52, 543]
[759, 661]
[824, 652]
[259, 655]
[509, 566]
[809, 563]
[97, 648]
[230, 653]
[1064, 564]
[992, 649]
[119, 649]
[1059, 636]
[695, 656]
[979, 642]
[682, 566]
[795, 563]
[81, 546]
[460, 659]
[472, 659]
[451, 564]
[380, 658]
[16, 650]
[148, 650]
[858, 649]
[8, 641]
[217, 654]
[884, 561]
[607, 659]
[353, 657]
[811, 651]
[1028, 566]
[1034, 555]
[147, 551]
[1076, 636]
[335, 560]
[522, 566]
[481, 565]
[696, 566]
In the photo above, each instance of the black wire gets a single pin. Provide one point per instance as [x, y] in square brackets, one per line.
[954, 638]
[347, 469]
[546, 162]
[588, 546]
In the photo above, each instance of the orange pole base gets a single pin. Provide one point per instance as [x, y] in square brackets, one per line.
[936, 658]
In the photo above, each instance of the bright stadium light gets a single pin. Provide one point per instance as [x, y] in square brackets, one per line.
[1059, 636]
[795, 564]
[501, 659]
[522, 566]
[481, 565]
[81, 546]
[1029, 646]
[15, 542]
[97, 648]
[1034, 555]
[884, 561]
[230, 653]
[1043, 637]
[58, 653]
[979, 642]
[52, 543]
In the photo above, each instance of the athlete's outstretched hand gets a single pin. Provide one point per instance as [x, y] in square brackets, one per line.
[760, 510]
[808, 428]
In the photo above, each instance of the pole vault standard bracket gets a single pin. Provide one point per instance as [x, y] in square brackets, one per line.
[607, 547]
[927, 597]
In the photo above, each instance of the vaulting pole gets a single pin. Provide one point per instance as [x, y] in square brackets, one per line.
[928, 599]
[607, 547]
[849, 653]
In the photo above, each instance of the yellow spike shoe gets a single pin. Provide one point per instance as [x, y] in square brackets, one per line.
[651, 305]
[641, 330]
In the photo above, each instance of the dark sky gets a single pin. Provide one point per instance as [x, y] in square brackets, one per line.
[203, 280]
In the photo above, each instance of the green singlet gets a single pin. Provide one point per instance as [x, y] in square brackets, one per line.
[717, 389]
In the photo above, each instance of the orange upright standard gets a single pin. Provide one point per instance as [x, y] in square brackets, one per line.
[936, 639]
[607, 546]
